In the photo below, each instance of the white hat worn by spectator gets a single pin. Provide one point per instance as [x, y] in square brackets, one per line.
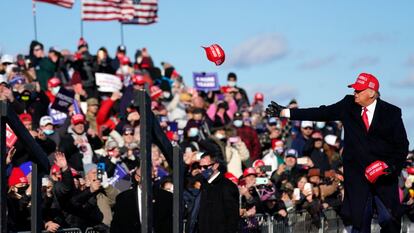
[305, 124]
[45, 120]
[6, 58]
[330, 139]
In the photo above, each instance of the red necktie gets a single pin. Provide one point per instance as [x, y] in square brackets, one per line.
[365, 118]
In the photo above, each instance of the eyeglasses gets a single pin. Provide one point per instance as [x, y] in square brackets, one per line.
[204, 167]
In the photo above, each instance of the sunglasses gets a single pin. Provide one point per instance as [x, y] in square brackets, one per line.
[308, 128]
[204, 167]
[128, 134]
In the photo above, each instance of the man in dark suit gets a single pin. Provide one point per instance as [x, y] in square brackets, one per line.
[219, 201]
[375, 147]
[127, 210]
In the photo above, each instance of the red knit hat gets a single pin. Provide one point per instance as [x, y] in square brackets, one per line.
[17, 177]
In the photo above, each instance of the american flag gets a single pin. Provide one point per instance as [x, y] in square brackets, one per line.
[105, 10]
[145, 12]
[63, 3]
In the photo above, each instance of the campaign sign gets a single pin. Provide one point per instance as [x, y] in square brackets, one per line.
[205, 81]
[120, 179]
[11, 138]
[63, 100]
[108, 82]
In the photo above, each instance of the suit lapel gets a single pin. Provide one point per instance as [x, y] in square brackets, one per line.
[356, 112]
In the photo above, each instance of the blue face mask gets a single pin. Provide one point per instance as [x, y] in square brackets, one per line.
[193, 132]
[238, 123]
[207, 173]
[48, 131]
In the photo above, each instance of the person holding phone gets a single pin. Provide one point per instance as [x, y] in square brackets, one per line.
[236, 154]
[375, 150]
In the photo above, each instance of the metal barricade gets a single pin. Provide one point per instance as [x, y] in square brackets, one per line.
[66, 230]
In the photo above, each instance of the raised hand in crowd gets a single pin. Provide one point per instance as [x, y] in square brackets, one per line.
[116, 96]
[60, 160]
[10, 155]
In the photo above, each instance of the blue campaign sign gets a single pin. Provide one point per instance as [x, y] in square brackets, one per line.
[206, 81]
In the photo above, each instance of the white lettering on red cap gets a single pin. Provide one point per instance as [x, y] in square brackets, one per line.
[363, 78]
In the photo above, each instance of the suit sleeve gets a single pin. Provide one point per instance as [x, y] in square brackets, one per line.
[400, 142]
[231, 205]
[323, 113]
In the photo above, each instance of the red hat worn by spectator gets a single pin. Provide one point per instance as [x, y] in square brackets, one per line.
[365, 81]
[77, 119]
[231, 177]
[258, 97]
[54, 82]
[155, 92]
[125, 60]
[410, 170]
[17, 177]
[249, 171]
[375, 170]
[258, 163]
[138, 79]
[277, 143]
[215, 54]
[317, 135]
[25, 117]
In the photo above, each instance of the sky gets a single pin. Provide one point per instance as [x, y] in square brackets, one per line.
[308, 50]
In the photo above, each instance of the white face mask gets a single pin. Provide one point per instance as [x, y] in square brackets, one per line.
[166, 94]
[55, 90]
[125, 69]
[238, 123]
[231, 83]
[278, 150]
[220, 136]
[320, 124]
[9, 69]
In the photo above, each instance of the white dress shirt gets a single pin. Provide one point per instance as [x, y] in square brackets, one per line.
[139, 192]
[370, 111]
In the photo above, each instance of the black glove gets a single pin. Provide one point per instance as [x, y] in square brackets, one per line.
[274, 109]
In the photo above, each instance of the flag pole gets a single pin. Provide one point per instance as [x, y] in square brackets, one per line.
[81, 27]
[122, 33]
[34, 19]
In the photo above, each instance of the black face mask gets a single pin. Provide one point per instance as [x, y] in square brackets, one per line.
[22, 190]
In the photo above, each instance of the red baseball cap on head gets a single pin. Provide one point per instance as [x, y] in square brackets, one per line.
[155, 92]
[17, 177]
[138, 79]
[125, 60]
[54, 82]
[258, 96]
[249, 171]
[258, 163]
[365, 81]
[277, 143]
[77, 118]
[410, 170]
[24, 117]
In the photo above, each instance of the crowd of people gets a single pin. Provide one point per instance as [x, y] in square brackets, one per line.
[239, 162]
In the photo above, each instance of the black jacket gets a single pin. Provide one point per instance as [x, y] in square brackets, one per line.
[126, 215]
[219, 207]
[386, 140]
